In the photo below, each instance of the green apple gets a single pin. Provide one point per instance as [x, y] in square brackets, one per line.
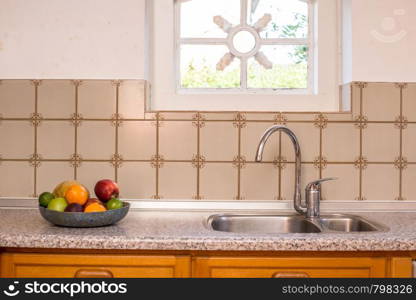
[58, 204]
[114, 203]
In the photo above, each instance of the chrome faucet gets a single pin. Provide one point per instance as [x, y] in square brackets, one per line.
[313, 190]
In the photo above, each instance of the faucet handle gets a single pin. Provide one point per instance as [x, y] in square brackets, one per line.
[316, 185]
[313, 197]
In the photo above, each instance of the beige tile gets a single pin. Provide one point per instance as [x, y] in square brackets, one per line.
[346, 187]
[341, 142]
[307, 116]
[250, 138]
[409, 102]
[381, 182]
[177, 140]
[408, 183]
[56, 99]
[261, 117]
[409, 143]
[97, 99]
[381, 101]
[381, 142]
[219, 181]
[309, 174]
[219, 141]
[259, 182]
[96, 140]
[131, 99]
[179, 115]
[89, 173]
[17, 139]
[172, 186]
[50, 174]
[137, 180]
[308, 136]
[137, 140]
[341, 116]
[225, 116]
[17, 179]
[56, 139]
[17, 98]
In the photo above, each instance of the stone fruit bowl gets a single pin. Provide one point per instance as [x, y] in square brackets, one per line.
[83, 220]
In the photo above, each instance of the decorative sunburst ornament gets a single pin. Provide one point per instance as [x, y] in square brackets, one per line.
[251, 33]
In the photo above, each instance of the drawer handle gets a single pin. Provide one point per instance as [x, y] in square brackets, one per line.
[290, 275]
[93, 274]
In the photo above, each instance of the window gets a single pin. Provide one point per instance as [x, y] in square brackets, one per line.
[244, 45]
[253, 55]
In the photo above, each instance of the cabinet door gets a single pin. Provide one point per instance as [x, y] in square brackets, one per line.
[289, 267]
[96, 266]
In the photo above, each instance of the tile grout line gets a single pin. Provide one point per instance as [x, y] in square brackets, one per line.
[157, 155]
[279, 173]
[320, 152]
[35, 171]
[361, 145]
[117, 120]
[208, 161]
[6, 119]
[401, 144]
[76, 124]
[198, 157]
[239, 166]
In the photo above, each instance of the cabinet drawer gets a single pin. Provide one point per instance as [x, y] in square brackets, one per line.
[88, 265]
[288, 267]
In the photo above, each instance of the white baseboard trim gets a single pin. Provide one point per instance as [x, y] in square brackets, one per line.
[241, 205]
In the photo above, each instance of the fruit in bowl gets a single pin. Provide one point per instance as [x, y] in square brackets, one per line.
[71, 205]
[74, 208]
[94, 205]
[58, 204]
[106, 189]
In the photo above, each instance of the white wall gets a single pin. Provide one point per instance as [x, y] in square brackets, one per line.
[384, 40]
[72, 39]
[105, 39]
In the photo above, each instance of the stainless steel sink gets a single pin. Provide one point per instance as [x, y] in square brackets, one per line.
[275, 224]
[346, 223]
[262, 224]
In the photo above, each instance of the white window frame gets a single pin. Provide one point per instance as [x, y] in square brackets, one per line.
[323, 68]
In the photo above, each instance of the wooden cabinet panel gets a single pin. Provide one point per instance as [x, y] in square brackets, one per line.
[284, 267]
[90, 265]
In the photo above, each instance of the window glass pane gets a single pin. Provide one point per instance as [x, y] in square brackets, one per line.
[289, 17]
[199, 67]
[197, 17]
[290, 68]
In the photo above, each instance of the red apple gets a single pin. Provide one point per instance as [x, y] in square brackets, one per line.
[106, 189]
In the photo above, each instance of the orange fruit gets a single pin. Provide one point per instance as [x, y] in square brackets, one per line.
[94, 207]
[77, 194]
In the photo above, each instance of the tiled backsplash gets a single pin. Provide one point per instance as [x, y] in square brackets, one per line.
[53, 130]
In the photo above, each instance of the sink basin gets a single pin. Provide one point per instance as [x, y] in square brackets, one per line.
[275, 224]
[262, 224]
[345, 223]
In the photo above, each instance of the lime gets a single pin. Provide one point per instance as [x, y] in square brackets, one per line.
[45, 198]
[114, 203]
[58, 204]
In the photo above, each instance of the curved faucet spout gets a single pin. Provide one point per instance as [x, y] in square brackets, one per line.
[301, 209]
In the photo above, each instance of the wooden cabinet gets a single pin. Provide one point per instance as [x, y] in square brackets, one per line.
[91, 265]
[289, 267]
[53, 263]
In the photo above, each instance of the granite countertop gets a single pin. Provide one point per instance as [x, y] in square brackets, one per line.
[147, 230]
